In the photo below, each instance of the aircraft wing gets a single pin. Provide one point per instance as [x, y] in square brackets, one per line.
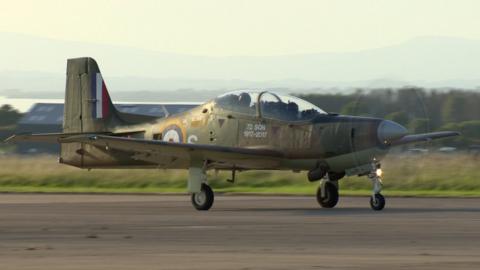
[132, 144]
[153, 150]
[425, 137]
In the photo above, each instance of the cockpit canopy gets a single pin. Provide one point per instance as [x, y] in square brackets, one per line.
[268, 105]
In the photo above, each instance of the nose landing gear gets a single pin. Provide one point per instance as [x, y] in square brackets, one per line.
[377, 201]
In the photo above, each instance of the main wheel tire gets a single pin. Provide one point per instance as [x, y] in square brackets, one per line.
[203, 200]
[331, 195]
[378, 203]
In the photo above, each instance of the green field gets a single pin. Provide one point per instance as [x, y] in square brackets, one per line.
[426, 175]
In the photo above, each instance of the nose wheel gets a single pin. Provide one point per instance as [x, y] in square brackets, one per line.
[377, 201]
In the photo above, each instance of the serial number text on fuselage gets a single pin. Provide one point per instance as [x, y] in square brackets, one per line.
[255, 131]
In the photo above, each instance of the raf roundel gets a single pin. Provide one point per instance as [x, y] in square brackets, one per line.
[172, 133]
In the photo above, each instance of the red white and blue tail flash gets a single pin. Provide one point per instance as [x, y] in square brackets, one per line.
[100, 96]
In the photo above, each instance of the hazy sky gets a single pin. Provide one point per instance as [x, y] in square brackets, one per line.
[227, 27]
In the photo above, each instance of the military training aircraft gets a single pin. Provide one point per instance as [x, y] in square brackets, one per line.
[237, 131]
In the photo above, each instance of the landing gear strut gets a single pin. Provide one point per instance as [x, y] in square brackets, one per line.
[377, 201]
[202, 194]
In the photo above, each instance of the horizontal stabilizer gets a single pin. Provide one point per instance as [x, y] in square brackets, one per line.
[62, 137]
[42, 138]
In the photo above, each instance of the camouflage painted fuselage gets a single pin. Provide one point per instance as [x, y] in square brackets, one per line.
[342, 142]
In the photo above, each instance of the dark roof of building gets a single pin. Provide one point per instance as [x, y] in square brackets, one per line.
[52, 113]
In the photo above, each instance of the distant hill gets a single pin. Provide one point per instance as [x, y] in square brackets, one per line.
[38, 64]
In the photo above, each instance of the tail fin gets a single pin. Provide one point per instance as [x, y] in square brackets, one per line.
[88, 107]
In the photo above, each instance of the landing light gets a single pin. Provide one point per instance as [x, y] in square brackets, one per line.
[379, 172]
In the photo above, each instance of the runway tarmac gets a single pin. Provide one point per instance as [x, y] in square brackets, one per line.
[239, 232]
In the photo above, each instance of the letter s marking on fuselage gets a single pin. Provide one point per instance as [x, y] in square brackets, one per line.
[192, 139]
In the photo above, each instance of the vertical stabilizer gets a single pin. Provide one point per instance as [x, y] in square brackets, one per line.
[88, 107]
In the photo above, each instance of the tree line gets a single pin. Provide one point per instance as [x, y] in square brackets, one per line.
[9, 116]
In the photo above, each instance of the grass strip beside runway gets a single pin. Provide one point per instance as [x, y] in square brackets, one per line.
[426, 175]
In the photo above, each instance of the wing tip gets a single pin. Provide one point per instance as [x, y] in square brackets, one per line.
[10, 139]
[449, 133]
[16, 137]
[425, 137]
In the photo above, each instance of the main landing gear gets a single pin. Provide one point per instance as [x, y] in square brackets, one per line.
[202, 194]
[327, 193]
[203, 200]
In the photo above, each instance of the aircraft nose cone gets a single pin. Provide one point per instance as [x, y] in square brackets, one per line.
[389, 131]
